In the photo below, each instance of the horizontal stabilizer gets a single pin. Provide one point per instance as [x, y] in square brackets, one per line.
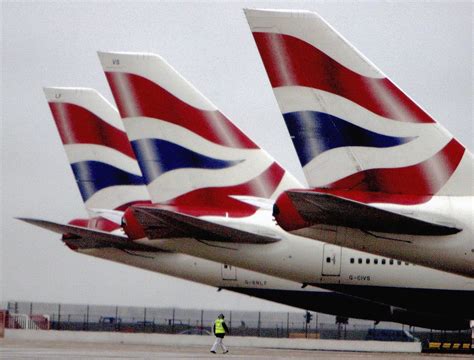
[154, 220]
[321, 208]
[111, 215]
[88, 238]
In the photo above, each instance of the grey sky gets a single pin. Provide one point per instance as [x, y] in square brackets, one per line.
[426, 48]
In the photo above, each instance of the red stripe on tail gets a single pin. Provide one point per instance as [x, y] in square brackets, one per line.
[151, 100]
[290, 61]
[425, 178]
[77, 125]
[217, 201]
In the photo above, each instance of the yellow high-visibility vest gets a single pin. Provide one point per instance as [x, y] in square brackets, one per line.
[219, 328]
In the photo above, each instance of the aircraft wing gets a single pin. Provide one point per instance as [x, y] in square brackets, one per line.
[153, 220]
[323, 208]
[85, 238]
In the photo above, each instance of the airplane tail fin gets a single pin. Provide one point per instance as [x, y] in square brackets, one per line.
[97, 147]
[188, 151]
[352, 127]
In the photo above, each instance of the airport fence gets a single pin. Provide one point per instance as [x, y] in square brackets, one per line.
[199, 322]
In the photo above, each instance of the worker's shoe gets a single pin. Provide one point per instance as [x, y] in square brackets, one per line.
[225, 352]
[213, 352]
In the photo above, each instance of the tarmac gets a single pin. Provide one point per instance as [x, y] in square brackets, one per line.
[24, 349]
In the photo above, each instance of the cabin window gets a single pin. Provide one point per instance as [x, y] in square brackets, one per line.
[367, 261]
[328, 259]
[352, 260]
[399, 262]
[360, 261]
[391, 261]
[376, 261]
[384, 261]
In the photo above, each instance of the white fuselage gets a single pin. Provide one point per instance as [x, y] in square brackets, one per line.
[313, 262]
[224, 276]
[195, 269]
[451, 253]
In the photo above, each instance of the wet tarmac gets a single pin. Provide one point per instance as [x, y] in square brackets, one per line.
[20, 349]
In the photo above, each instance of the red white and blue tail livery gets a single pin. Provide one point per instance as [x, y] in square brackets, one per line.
[352, 127]
[361, 139]
[104, 167]
[191, 154]
[97, 147]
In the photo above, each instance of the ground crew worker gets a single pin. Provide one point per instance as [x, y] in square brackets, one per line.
[219, 329]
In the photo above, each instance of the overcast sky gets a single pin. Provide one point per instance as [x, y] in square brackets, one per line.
[426, 48]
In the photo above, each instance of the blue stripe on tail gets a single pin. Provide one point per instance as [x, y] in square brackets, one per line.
[92, 176]
[315, 132]
[157, 157]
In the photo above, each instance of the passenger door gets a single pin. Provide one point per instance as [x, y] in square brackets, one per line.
[229, 272]
[331, 260]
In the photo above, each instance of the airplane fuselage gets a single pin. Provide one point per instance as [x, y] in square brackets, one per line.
[327, 265]
[224, 276]
[452, 253]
